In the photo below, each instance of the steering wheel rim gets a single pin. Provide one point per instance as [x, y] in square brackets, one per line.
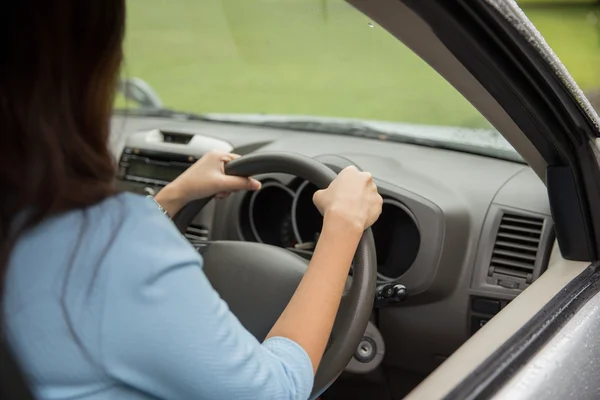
[356, 304]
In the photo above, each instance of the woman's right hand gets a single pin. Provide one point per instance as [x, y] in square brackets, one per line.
[349, 205]
[353, 197]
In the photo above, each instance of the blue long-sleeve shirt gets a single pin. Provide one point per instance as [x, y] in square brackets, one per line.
[112, 303]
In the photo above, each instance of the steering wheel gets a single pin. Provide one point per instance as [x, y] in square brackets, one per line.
[257, 280]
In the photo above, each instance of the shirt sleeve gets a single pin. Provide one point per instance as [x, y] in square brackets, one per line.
[166, 332]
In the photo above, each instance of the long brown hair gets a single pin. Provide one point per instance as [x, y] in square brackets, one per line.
[59, 62]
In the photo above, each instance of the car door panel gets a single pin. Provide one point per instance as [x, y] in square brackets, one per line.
[567, 366]
[499, 329]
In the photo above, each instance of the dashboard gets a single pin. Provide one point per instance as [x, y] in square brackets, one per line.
[463, 233]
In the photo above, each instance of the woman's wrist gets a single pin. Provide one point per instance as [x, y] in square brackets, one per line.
[342, 234]
[338, 220]
[159, 206]
[171, 198]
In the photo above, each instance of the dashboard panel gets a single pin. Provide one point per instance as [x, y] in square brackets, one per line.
[284, 215]
[458, 230]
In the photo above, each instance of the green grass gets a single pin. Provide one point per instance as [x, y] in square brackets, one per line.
[312, 57]
[574, 35]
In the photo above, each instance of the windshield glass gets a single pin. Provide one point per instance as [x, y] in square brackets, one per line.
[288, 57]
[319, 58]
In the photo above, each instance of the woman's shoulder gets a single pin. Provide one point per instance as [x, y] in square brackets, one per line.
[125, 228]
[139, 229]
[133, 226]
[124, 211]
[132, 213]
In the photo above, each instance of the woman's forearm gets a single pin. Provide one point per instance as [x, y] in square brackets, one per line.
[309, 316]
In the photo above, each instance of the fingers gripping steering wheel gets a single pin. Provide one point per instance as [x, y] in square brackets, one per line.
[258, 280]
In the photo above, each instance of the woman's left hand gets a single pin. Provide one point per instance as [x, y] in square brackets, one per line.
[205, 178]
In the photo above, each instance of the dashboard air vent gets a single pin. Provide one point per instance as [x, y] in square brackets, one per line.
[516, 251]
[196, 233]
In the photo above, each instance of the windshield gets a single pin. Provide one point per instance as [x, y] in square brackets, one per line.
[289, 57]
[317, 58]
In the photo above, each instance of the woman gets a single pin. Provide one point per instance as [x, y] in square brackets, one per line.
[102, 297]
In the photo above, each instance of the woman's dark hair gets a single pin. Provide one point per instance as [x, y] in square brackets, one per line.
[59, 64]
